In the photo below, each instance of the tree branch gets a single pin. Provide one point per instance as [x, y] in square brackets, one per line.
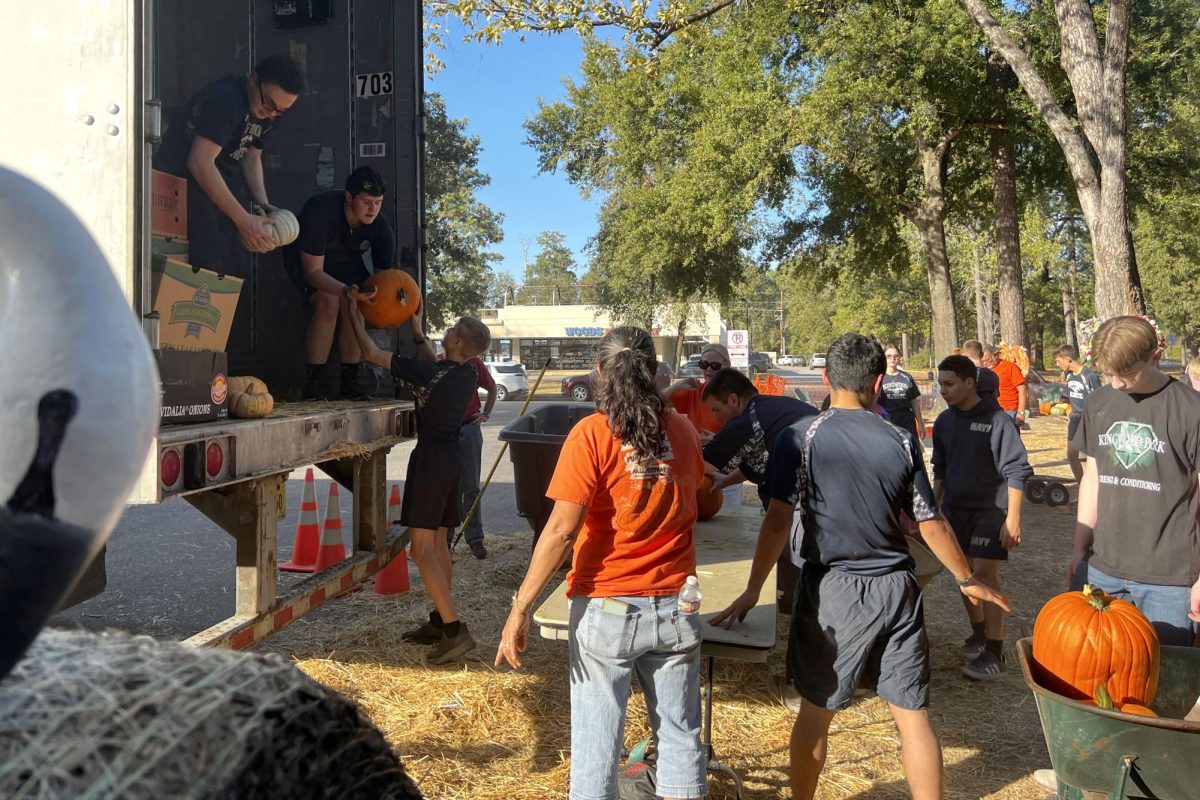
[1087, 181]
[664, 32]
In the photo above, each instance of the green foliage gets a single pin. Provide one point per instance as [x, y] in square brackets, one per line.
[550, 277]
[1167, 234]
[461, 228]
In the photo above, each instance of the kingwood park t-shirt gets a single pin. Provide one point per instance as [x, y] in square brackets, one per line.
[636, 539]
[896, 396]
[1147, 453]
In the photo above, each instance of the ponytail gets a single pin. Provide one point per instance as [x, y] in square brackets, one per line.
[628, 394]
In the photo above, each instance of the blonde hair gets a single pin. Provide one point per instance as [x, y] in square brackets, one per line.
[1121, 342]
[1193, 368]
[476, 335]
[972, 348]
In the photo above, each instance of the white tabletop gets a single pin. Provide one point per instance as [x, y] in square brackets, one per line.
[724, 552]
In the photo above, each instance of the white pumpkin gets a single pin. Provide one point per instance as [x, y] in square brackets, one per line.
[286, 227]
[66, 325]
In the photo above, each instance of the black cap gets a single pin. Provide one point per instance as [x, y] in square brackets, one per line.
[366, 180]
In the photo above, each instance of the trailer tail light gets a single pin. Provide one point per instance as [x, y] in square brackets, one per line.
[215, 458]
[170, 469]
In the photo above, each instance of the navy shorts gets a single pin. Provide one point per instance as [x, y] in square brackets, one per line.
[432, 495]
[852, 631]
[1072, 426]
[978, 531]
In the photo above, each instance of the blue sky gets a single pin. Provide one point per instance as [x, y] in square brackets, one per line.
[497, 88]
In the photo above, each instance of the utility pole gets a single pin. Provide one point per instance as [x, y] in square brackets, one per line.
[782, 335]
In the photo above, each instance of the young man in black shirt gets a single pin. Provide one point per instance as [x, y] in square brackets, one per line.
[1081, 382]
[336, 230]
[1137, 513]
[216, 143]
[432, 488]
[900, 396]
[847, 474]
[979, 471]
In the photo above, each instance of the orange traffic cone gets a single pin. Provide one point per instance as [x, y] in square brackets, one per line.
[333, 547]
[308, 531]
[393, 579]
[393, 512]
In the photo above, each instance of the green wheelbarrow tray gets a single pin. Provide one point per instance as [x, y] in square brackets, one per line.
[1107, 754]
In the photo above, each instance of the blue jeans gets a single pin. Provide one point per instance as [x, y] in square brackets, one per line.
[470, 445]
[1165, 606]
[610, 640]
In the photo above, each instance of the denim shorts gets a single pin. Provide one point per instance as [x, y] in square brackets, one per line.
[611, 639]
[1165, 606]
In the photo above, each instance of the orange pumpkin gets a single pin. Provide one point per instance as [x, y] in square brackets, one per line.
[1044, 407]
[708, 502]
[398, 298]
[1083, 639]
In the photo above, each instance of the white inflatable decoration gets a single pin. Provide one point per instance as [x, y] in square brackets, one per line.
[66, 326]
[286, 227]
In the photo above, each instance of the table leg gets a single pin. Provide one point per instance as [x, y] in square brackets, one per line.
[713, 764]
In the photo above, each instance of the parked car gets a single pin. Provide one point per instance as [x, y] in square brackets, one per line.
[790, 361]
[511, 380]
[582, 388]
[759, 362]
[817, 361]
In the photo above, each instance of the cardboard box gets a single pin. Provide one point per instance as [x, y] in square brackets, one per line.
[195, 386]
[195, 305]
[168, 209]
[163, 247]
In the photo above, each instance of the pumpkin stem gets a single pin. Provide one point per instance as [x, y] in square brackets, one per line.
[1096, 597]
[1103, 698]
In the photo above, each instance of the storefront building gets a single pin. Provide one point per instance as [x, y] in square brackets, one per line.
[567, 335]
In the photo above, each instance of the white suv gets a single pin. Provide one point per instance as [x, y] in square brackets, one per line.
[817, 361]
[511, 382]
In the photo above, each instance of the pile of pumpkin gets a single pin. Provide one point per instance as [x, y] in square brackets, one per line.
[1054, 408]
[1097, 649]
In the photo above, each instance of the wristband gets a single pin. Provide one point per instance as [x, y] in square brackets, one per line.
[965, 582]
[346, 287]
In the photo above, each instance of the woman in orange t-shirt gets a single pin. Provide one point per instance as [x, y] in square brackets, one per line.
[686, 395]
[625, 501]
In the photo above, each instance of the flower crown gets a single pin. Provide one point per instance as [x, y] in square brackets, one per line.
[1088, 328]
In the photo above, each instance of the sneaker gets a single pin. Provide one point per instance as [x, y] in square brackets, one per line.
[314, 391]
[426, 634]
[452, 648]
[973, 647]
[985, 668]
[1046, 779]
[478, 550]
[351, 390]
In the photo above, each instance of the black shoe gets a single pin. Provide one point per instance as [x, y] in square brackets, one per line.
[314, 391]
[426, 634]
[452, 648]
[478, 550]
[351, 390]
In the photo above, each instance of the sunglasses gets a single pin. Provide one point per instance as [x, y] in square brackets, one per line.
[269, 103]
[710, 365]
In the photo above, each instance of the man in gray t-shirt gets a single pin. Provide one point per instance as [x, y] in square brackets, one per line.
[1138, 498]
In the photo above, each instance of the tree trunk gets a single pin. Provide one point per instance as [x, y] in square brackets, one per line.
[984, 322]
[930, 220]
[1096, 151]
[1070, 313]
[1009, 281]
[1038, 350]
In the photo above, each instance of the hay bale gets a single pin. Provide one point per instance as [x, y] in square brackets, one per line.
[117, 716]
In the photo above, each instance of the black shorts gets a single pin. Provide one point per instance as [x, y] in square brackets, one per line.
[978, 531]
[432, 495]
[850, 631]
[213, 239]
[1072, 426]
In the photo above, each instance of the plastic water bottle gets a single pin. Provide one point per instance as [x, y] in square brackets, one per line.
[689, 596]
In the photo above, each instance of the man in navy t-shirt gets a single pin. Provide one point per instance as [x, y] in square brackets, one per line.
[848, 474]
[900, 396]
[1081, 382]
[336, 230]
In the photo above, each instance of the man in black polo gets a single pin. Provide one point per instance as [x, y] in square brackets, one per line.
[336, 230]
[216, 143]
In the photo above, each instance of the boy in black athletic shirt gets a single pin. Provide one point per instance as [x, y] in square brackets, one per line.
[847, 474]
[979, 473]
[1081, 382]
[432, 487]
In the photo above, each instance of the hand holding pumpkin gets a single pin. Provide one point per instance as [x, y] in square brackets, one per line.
[255, 236]
[358, 295]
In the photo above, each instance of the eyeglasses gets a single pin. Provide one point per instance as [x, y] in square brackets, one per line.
[893, 355]
[268, 103]
[710, 365]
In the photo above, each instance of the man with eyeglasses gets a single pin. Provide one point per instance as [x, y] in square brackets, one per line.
[336, 230]
[216, 143]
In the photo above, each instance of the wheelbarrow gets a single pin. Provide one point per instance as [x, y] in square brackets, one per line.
[1109, 755]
